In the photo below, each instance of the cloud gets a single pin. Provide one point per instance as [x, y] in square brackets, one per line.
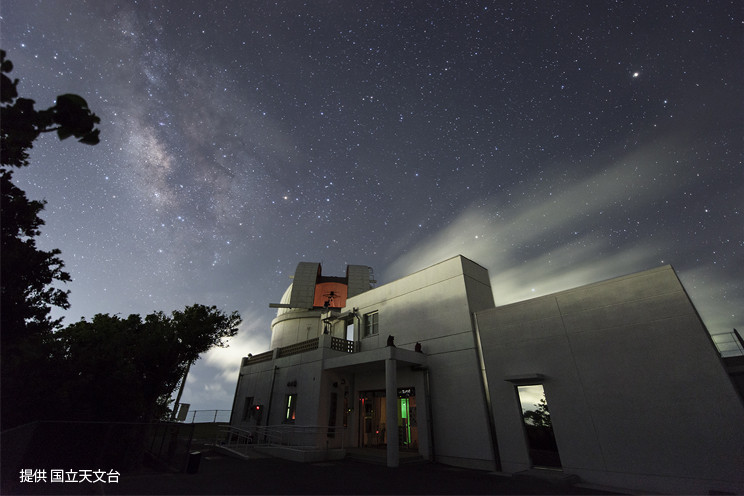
[212, 380]
[546, 241]
[253, 337]
[536, 219]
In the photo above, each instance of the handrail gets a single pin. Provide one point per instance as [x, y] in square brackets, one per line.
[211, 415]
[285, 435]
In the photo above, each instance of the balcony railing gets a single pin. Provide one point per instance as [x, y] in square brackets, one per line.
[324, 341]
[340, 344]
[261, 357]
[293, 349]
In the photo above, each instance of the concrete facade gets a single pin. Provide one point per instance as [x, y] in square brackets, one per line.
[638, 395]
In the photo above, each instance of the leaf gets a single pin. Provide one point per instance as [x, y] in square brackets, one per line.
[71, 100]
[91, 138]
[63, 133]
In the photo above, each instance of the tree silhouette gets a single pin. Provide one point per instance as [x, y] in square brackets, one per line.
[120, 369]
[22, 124]
[539, 417]
[27, 274]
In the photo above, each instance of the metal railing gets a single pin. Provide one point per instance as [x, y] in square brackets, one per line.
[209, 416]
[282, 435]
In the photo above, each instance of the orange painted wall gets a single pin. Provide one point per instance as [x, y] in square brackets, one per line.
[324, 288]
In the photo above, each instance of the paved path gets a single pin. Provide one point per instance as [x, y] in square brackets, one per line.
[219, 474]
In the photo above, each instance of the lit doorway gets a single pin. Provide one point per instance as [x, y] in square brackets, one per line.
[538, 427]
[372, 412]
[407, 420]
[373, 419]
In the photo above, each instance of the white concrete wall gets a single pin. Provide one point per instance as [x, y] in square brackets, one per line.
[433, 307]
[637, 394]
[294, 327]
[304, 369]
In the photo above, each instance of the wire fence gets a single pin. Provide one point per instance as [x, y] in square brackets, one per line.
[199, 416]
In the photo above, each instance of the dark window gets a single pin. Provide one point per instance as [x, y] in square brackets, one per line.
[370, 324]
[247, 407]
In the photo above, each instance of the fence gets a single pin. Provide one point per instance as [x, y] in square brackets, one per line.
[122, 447]
[196, 416]
[285, 435]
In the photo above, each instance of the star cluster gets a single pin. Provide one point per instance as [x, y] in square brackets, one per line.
[556, 144]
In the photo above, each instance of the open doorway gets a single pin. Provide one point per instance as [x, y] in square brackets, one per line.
[374, 424]
[538, 427]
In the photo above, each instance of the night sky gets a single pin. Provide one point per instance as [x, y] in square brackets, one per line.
[554, 143]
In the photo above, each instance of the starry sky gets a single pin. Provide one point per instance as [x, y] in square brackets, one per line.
[554, 143]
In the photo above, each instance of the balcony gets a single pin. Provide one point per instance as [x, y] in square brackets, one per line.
[324, 341]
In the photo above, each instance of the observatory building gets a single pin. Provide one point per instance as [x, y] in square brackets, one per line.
[615, 383]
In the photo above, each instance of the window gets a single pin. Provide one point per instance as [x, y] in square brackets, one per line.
[291, 408]
[247, 407]
[370, 324]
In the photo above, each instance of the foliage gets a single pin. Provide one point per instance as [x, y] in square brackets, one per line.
[27, 274]
[539, 417]
[110, 368]
[22, 124]
[125, 369]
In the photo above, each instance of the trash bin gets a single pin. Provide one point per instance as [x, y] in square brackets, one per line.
[192, 466]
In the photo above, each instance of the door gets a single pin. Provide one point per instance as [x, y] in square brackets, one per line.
[372, 432]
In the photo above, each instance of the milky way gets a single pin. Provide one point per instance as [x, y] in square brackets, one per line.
[552, 143]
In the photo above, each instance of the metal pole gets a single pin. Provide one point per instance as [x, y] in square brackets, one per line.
[180, 392]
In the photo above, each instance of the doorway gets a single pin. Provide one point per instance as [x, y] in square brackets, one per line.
[373, 423]
[372, 411]
[538, 427]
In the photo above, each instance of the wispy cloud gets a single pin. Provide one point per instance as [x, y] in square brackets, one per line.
[213, 378]
[555, 237]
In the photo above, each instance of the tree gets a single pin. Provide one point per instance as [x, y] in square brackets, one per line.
[22, 124]
[539, 417]
[120, 369]
[27, 274]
